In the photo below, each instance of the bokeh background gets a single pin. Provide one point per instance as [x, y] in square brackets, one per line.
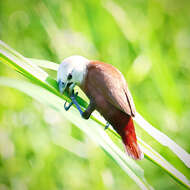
[149, 41]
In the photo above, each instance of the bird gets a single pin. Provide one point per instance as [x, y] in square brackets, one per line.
[108, 93]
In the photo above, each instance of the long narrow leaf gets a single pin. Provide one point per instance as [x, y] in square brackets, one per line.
[7, 56]
[164, 140]
[90, 127]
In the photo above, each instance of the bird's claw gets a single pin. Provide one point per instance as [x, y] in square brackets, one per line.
[73, 95]
[67, 107]
[107, 125]
[73, 101]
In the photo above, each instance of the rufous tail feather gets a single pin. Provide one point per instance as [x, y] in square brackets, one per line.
[130, 141]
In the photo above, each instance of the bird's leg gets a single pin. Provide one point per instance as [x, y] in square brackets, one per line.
[74, 101]
[107, 125]
[91, 107]
[71, 93]
[73, 98]
[86, 114]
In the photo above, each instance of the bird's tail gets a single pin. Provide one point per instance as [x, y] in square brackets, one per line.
[130, 141]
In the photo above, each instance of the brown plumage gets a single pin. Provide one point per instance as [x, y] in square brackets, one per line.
[107, 90]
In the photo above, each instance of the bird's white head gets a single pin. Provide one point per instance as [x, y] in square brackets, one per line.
[72, 70]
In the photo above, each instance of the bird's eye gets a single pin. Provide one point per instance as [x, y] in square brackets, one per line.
[69, 76]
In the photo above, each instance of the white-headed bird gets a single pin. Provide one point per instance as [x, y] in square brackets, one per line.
[108, 93]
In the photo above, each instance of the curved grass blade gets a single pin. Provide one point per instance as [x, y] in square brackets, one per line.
[90, 127]
[31, 71]
[44, 64]
[151, 154]
[6, 56]
[164, 139]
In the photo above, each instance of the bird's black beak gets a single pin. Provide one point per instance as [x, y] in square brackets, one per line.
[62, 86]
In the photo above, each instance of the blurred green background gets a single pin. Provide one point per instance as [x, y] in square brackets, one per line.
[149, 41]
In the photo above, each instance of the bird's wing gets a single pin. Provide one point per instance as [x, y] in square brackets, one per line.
[112, 85]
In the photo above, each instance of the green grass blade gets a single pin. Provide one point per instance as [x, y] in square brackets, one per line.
[164, 140]
[90, 127]
[44, 63]
[163, 163]
[30, 70]
[23, 65]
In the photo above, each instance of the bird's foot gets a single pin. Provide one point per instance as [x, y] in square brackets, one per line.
[107, 126]
[67, 107]
[73, 101]
[73, 96]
